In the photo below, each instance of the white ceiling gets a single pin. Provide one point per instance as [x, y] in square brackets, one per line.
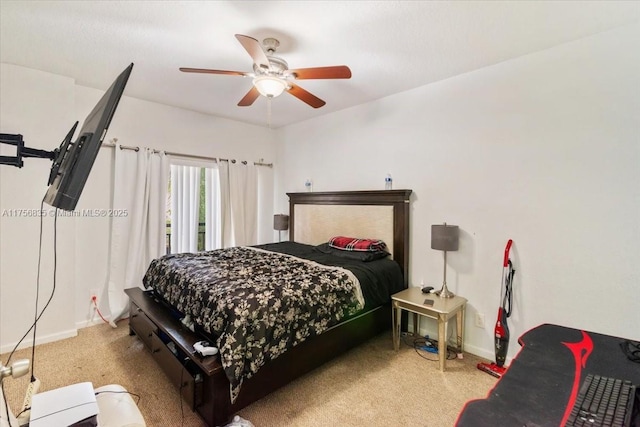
[389, 46]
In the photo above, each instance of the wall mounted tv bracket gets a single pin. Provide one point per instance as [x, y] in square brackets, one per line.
[22, 151]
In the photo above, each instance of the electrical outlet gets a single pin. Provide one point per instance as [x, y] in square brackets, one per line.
[480, 320]
[95, 292]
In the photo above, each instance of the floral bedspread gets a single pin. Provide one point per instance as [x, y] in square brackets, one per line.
[258, 303]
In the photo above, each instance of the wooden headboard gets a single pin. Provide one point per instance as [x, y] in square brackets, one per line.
[316, 217]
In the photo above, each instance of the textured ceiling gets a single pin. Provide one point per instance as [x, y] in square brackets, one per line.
[389, 46]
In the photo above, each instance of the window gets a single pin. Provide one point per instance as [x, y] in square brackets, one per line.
[215, 205]
[192, 213]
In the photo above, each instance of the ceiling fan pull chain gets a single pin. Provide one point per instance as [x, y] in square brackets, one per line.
[269, 112]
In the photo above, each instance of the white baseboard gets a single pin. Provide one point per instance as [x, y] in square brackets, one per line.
[88, 323]
[476, 351]
[53, 337]
[480, 352]
[40, 339]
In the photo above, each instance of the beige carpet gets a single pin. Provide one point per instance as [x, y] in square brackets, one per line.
[369, 386]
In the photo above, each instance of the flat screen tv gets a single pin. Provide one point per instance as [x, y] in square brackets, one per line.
[74, 160]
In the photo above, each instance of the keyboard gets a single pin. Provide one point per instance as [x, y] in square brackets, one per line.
[603, 401]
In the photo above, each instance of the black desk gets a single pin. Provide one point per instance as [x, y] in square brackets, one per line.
[543, 380]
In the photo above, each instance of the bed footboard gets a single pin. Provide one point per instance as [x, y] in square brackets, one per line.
[202, 380]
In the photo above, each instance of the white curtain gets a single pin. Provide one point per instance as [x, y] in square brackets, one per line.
[266, 234]
[226, 227]
[140, 189]
[185, 208]
[213, 229]
[239, 204]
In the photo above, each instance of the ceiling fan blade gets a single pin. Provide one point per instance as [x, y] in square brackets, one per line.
[305, 96]
[336, 72]
[249, 98]
[208, 71]
[252, 46]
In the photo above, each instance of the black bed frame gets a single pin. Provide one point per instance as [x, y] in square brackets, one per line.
[202, 381]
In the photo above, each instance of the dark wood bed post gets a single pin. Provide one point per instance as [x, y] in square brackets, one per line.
[399, 199]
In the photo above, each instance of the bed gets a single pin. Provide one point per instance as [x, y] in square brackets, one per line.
[206, 383]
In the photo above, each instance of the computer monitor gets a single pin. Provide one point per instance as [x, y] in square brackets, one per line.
[74, 160]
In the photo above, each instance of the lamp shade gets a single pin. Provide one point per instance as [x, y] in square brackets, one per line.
[444, 237]
[280, 222]
[269, 86]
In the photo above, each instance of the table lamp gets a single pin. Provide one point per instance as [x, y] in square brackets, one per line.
[280, 223]
[445, 238]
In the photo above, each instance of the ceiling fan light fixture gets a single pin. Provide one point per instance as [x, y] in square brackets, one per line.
[269, 86]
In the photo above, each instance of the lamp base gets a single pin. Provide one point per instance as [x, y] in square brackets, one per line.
[444, 292]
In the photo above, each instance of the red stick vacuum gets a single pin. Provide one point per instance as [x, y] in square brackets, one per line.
[501, 331]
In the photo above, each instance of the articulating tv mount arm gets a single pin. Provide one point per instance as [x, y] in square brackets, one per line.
[22, 151]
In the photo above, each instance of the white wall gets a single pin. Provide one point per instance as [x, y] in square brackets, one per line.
[543, 149]
[43, 107]
[40, 107]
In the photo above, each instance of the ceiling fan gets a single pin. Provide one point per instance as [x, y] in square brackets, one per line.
[272, 76]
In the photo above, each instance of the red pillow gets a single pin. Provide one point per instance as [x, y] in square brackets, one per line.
[354, 244]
